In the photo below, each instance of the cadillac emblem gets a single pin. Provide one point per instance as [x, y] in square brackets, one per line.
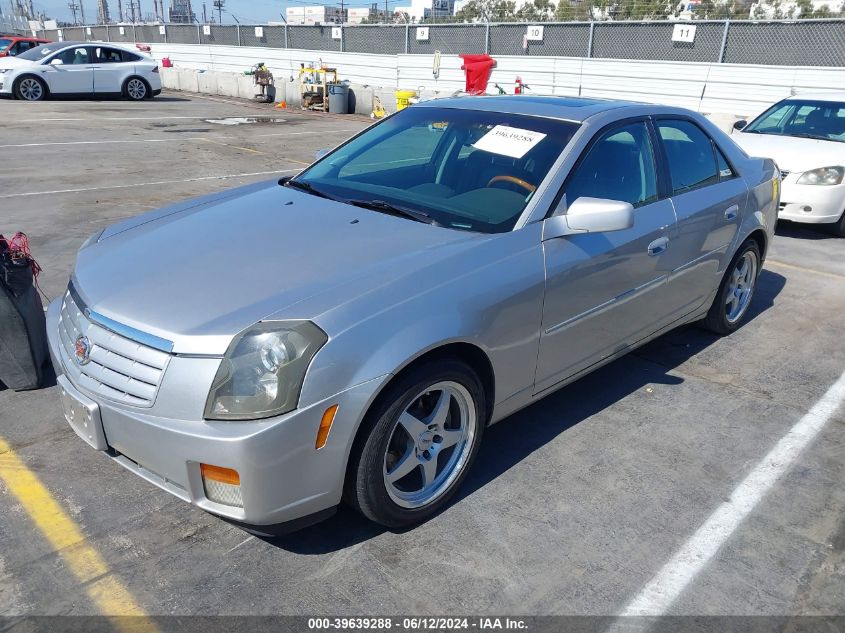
[82, 350]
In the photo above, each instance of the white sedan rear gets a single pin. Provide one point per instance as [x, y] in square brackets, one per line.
[79, 68]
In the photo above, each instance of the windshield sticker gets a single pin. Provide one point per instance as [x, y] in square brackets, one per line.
[508, 141]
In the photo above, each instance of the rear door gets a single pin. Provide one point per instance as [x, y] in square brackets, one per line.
[110, 70]
[74, 73]
[606, 291]
[709, 200]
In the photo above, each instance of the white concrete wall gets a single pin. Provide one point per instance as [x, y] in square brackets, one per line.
[727, 91]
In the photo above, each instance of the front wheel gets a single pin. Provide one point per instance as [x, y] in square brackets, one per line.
[136, 89]
[418, 444]
[736, 291]
[838, 228]
[31, 89]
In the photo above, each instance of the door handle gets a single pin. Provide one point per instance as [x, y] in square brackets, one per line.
[731, 212]
[658, 246]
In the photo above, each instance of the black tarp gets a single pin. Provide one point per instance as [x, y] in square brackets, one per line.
[23, 331]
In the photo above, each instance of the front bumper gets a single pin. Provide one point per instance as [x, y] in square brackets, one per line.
[812, 204]
[5, 84]
[283, 477]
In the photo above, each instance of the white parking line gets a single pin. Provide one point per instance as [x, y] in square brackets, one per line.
[148, 184]
[657, 596]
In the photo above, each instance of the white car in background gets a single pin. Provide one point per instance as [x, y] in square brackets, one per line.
[79, 68]
[805, 135]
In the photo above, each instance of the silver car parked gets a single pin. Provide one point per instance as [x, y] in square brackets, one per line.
[266, 352]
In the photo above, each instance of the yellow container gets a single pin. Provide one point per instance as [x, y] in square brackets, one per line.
[403, 98]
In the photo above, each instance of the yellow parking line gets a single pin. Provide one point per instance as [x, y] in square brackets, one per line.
[822, 273]
[245, 149]
[102, 587]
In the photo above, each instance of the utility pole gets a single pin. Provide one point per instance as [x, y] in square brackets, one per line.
[82, 11]
[120, 10]
[386, 21]
[73, 7]
[204, 17]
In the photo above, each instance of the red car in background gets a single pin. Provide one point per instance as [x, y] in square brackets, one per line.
[11, 45]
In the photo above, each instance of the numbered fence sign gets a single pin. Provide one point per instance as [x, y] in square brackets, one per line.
[206, 29]
[259, 31]
[61, 35]
[422, 33]
[337, 33]
[161, 30]
[88, 30]
[683, 33]
[122, 31]
[534, 34]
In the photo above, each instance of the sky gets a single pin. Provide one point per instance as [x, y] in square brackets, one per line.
[247, 11]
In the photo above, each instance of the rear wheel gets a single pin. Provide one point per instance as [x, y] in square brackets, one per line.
[420, 440]
[31, 89]
[736, 291]
[136, 89]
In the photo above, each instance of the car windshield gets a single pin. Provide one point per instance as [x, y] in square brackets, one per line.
[40, 52]
[823, 120]
[4, 44]
[462, 169]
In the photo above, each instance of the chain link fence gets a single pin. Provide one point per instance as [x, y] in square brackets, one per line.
[790, 43]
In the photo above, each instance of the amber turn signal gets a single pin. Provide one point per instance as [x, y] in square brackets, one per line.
[325, 426]
[218, 473]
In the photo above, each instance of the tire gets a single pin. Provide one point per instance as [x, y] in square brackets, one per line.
[30, 89]
[736, 291]
[136, 89]
[838, 228]
[391, 480]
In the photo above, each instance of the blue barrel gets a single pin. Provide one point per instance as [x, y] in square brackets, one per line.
[339, 98]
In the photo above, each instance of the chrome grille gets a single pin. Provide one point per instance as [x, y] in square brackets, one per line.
[119, 368]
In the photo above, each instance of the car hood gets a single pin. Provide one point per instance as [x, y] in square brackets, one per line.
[14, 62]
[198, 274]
[792, 153]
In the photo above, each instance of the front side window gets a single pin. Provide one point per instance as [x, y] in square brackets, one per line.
[689, 151]
[4, 44]
[42, 51]
[463, 169]
[619, 165]
[824, 120]
[74, 56]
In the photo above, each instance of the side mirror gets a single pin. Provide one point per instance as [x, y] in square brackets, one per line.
[739, 125]
[320, 153]
[56, 62]
[590, 215]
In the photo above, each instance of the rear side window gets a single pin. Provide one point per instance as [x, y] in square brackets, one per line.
[689, 151]
[726, 172]
[618, 166]
[108, 56]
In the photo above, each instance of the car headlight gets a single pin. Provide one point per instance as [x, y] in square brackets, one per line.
[262, 372]
[3, 71]
[822, 176]
[92, 239]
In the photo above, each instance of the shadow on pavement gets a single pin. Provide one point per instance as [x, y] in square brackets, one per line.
[516, 437]
[785, 228]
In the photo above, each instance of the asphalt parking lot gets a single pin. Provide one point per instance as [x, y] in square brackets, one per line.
[575, 505]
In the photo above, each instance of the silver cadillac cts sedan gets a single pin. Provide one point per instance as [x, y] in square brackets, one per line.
[348, 334]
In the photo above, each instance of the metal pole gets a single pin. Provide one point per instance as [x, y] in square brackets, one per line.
[165, 34]
[487, 37]
[238, 26]
[199, 35]
[286, 35]
[724, 42]
[134, 35]
[108, 33]
[590, 40]
[341, 32]
[407, 38]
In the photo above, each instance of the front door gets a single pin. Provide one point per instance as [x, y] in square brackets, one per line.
[70, 71]
[605, 291]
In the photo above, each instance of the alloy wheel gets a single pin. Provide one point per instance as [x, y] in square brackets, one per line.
[430, 444]
[741, 287]
[31, 89]
[136, 89]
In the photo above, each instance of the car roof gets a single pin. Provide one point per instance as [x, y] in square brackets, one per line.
[564, 108]
[827, 95]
